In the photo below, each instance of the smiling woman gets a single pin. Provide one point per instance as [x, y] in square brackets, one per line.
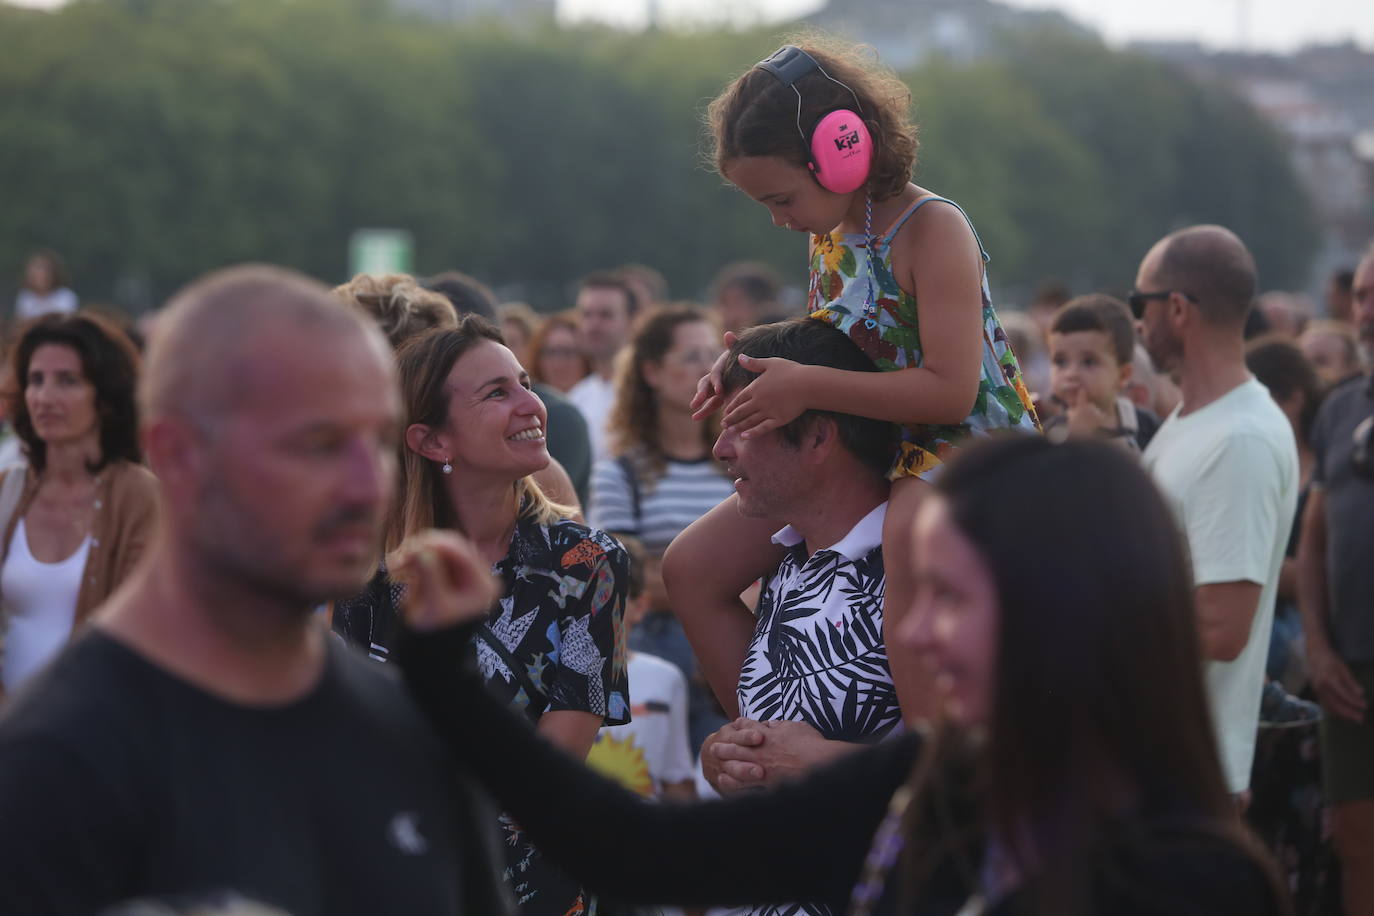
[553, 645]
[78, 517]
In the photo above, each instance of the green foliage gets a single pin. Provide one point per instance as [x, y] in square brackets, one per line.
[151, 140]
[1170, 153]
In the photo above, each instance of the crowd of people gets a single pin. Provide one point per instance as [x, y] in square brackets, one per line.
[900, 602]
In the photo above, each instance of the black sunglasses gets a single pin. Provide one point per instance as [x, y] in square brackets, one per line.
[1137, 299]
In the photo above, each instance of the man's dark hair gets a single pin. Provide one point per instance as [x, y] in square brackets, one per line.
[648, 277]
[1097, 312]
[1344, 279]
[1211, 264]
[605, 279]
[759, 283]
[469, 296]
[1051, 293]
[1280, 366]
[815, 343]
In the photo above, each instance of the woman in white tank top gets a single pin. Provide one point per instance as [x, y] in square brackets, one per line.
[81, 511]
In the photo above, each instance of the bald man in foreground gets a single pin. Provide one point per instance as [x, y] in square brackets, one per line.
[206, 735]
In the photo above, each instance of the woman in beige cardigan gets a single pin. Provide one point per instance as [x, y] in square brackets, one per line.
[77, 518]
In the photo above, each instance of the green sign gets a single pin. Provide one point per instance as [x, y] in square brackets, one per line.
[381, 251]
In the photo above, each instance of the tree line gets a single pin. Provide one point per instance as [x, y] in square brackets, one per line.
[151, 140]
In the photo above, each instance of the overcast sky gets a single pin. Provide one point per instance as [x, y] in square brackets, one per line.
[1271, 25]
[1274, 25]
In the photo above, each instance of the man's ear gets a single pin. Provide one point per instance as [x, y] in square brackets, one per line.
[427, 442]
[821, 436]
[1180, 313]
[176, 452]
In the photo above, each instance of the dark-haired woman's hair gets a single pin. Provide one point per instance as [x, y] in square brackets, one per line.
[756, 115]
[423, 364]
[633, 423]
[1099, 707]
[1281, 366]
[468, 295]
[110, 363]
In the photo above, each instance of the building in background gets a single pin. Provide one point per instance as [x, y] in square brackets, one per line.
[1322, 100]
[907, 32]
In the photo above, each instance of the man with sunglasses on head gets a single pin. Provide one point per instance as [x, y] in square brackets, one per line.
[1227, 462]
[1336, 598]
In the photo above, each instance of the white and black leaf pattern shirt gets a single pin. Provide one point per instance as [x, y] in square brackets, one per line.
[817, 655]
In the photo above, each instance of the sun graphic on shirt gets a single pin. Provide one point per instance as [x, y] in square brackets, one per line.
[622, 761]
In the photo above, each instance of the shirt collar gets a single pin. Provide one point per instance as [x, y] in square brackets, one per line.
[854, 546]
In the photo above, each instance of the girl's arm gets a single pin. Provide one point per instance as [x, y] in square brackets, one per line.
[937, 259]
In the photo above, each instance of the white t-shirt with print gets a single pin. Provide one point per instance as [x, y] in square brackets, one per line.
[1230, 473]
[651, 749]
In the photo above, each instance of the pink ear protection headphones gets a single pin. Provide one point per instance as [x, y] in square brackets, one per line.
[841, 149]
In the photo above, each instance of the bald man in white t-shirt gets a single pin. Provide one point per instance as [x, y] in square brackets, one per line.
[1226, 461]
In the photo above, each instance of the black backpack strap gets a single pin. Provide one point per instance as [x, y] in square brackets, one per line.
[628, 466]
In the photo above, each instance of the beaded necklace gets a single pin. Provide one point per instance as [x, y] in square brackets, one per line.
[870, 305]
[887, 845]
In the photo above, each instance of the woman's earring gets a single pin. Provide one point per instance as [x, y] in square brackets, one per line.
[447, 468]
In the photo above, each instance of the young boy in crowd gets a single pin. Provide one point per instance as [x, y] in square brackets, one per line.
[1092, 342]
[649, 754]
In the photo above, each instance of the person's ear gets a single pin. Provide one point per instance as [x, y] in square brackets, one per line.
[177, 452]
[428, 442]
[822, 436]
[1180, 311]
[1125, 372]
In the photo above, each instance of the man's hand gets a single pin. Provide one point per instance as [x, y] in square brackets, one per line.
[447, 582]
[726, 753]
[1340, 694]
[748, 755]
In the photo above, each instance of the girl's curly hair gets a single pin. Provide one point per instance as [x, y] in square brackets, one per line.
[757, 116]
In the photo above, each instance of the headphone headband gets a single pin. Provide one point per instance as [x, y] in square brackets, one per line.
[789, 64]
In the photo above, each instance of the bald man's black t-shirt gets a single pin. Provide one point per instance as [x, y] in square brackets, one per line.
[120, 781]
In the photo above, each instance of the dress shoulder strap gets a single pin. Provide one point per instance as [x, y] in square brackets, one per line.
[900, 221]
